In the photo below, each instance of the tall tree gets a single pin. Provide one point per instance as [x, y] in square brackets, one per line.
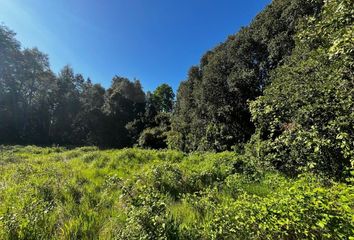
[217, 92]
[26, 82]
[10, 59]
[89, 122]
[37, 83]
[124, 102]
[66, 107]
[163, 97]
[305, 120]
[156, 121]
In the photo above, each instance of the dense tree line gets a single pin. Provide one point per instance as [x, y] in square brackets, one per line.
[40, 107]
[287, 81]
[280, 89]
[212, 110]
[305, 119]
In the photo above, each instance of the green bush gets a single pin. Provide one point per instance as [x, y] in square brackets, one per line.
[303, 210]
[154, 138]
[306, 117]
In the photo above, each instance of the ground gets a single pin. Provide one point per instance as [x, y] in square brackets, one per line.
[87, 193]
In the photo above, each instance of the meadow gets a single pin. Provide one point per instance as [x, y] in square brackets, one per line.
[87, 193]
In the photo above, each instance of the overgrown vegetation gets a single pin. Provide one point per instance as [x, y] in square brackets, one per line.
[306, 116]
[263, 130]
[212, 111]
[42, 108]
[85, 193]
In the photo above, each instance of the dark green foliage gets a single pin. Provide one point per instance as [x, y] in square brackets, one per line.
[304, 123]
[155, 135]
[212, 110]
[9, 56]
[67, 105]
[305, 117]
[154, 138]
[90, 122]
[163, 97]
[25, 92]
[124, 102]
[38, 107]
[154, 125]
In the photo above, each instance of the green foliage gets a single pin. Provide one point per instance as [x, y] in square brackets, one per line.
[156, 121]
[39, 107]
[305, 117]
[124, 102]
[212, 110]
[153, 138]
[304, 123]
[305, 210]
[163, 98]
[86, 193]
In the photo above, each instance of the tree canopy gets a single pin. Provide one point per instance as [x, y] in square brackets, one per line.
[212, 110]
[40, 107]
[306, 116]
[282, 87]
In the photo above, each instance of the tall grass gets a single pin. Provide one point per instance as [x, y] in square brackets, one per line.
[86, 193]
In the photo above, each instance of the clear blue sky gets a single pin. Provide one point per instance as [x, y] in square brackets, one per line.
[155, 41]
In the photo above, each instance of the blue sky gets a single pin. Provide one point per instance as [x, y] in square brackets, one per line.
[155, 41]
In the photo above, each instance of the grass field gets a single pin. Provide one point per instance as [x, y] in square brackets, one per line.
[86, 193]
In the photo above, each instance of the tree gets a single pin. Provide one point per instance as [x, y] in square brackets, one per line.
[10, 58]
[66, 106]
[187, 122]
[88, 126]
[37, 85]
[124, 102]
[26, 83]
[216, 93]
[149, 129]
[38, 107]
[305, 118]
[163, 97]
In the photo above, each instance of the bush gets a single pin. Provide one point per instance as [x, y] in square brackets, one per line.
[306, 117]
[304, 210]
[154, 138]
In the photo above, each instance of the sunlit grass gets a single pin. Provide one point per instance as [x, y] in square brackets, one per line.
[87, 193]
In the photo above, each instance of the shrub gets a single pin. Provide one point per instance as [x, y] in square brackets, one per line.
[306, 117]
[154, 138]
[305, 210]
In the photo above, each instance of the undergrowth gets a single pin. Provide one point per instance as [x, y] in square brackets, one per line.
[86, 193]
